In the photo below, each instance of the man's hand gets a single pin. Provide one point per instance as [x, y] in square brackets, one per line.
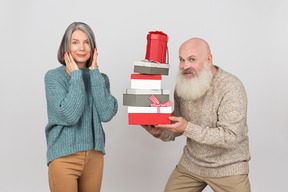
[178, 127]
[156, 132]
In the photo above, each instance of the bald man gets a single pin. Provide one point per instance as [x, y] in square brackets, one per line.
[211, 111]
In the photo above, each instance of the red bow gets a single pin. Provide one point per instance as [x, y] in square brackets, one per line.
[156, 103]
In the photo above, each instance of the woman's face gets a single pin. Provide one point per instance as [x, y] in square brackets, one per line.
[80, 47]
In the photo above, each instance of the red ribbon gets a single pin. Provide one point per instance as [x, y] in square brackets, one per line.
[156, 103]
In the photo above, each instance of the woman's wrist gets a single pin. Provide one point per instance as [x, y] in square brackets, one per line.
[94, 68]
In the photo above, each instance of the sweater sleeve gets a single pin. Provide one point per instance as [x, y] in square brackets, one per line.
[169, 135]
[106, 105]
[231, 126]
[66, 102]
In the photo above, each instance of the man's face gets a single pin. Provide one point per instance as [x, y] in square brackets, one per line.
[194, 77]
[192, 58]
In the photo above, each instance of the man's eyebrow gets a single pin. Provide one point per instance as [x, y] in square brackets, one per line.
[188, 56]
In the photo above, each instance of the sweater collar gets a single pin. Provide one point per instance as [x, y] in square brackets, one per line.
[217, 72]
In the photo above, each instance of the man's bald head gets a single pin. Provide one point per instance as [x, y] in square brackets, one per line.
[197, 43]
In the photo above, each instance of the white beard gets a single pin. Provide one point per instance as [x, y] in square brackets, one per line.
[196, 87]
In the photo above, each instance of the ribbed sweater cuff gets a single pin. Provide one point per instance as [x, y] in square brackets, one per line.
[76, 74]
[167, 135]
[95, 70]
[191, 130]
[95, 73]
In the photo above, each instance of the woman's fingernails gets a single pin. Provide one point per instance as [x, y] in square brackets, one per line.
[68, 53]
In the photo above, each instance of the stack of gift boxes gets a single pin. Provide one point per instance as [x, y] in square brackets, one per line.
[148, 103]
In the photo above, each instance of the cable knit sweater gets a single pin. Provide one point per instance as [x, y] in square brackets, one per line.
[217, 142]
[76, 106]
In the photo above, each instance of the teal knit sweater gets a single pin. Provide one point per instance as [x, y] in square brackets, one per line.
[76, 106]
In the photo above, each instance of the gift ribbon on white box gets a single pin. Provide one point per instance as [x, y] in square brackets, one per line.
[156, 103]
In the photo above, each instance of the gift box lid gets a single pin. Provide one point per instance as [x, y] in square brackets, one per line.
[146, 63]
[142, 100]
[157, 35]
[148, 91]
[151, 70]
[145, 77]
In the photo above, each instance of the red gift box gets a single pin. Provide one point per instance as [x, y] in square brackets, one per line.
[149, 115]
[157, 47]
[148, 77]
[149, 118]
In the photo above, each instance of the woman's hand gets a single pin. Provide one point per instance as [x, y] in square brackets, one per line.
[94, 61]
[70, 63]
[156, 132]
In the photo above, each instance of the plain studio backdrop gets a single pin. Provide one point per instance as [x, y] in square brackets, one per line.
[248, 38]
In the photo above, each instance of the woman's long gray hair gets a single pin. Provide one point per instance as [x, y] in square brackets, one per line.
[65, 43]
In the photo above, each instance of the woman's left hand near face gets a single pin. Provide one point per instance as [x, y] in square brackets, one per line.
[94, 61]
[70, 63]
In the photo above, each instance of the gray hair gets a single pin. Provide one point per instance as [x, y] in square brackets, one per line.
[65, 43]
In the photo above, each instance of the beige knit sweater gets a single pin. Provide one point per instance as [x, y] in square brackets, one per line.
[217, 141]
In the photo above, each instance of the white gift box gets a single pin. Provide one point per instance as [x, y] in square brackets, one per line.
[150, 109]
[145, 81]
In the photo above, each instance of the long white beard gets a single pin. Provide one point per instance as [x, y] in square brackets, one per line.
[196, 87]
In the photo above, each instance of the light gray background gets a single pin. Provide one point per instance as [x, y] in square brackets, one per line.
[248, 38]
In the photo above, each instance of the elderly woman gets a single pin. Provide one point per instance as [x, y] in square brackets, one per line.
[78, 100]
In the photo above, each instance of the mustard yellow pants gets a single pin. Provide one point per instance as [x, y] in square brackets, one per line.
[79, 172]
[181, 180]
